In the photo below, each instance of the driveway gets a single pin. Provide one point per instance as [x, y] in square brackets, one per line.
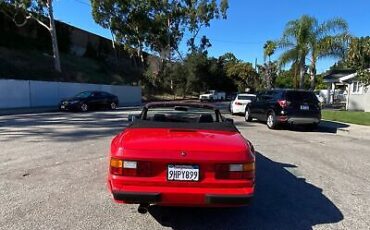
[53, 169]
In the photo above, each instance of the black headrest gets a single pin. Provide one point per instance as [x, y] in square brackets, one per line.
[205, 118]
[159, 117]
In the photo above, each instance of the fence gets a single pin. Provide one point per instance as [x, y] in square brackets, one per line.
[22, 94]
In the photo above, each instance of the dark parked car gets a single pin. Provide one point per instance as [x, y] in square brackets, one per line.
[90, 100]
[283, 106]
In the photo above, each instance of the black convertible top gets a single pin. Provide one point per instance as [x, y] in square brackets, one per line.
[217, 126]
[179, 103]
[220, 125]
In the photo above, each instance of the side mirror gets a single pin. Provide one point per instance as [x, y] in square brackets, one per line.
[229, 120]
[133, 117]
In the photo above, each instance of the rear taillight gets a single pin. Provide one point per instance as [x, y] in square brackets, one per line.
[283, 103]
[238, 103]
[130, 168]
[235, 171]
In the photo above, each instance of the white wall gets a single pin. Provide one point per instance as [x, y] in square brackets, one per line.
[359, 101]
[14, 94]
[20, 94]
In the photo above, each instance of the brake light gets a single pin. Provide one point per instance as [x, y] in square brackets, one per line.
[130, 168]
[238, 103]
[283, 103]
[235, 171]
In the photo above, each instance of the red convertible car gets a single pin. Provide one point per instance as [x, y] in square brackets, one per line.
[181, 154]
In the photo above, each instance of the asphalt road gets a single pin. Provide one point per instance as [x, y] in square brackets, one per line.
[53, 168]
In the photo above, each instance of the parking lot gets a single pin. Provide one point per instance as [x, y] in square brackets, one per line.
[53, 176]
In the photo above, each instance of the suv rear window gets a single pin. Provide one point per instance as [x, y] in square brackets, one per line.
[251, 98]
[301, 96]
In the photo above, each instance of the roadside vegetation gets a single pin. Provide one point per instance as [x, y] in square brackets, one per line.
[360, 118]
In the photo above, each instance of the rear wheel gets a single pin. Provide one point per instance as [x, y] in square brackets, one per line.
[271, 121]
[84, 107]
[247, 115]
[113, 105]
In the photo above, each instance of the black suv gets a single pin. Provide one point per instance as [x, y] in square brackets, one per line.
[284, 106]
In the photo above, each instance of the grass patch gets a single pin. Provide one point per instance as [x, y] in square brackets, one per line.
[360, 118]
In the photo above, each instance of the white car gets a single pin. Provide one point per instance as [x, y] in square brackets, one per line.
[212, 95]
[240, 102]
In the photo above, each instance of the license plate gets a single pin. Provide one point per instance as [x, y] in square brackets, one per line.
[183, 173]
[62, 107]
[305, 107]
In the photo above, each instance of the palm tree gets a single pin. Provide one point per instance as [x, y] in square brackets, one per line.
[269, 49]
[306, 37]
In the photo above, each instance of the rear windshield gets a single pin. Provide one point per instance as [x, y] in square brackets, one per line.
[301, 96]
[250, 98]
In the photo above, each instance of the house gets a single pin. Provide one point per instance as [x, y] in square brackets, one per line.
[357, 95]
[337, 89]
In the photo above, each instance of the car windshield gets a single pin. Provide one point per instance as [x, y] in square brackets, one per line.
[83, 95]
[250, 98]
[301, 96]
[185, 114]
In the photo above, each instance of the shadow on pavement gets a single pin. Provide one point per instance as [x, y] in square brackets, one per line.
[324, 126]
[282, 201]
[62, 126]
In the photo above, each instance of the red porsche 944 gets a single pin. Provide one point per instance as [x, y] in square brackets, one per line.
[181, 154]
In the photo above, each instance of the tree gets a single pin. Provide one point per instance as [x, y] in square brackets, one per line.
[158, 26]
[358, 58]
[269, 49]
[268, 69]
[269, 72]
[305, 36]
[244, 75]
[21, 11]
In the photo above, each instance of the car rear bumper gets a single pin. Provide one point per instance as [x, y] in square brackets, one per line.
[159, 198]
[182, 196]
[303, 120]
[298, 120]
[238, 108]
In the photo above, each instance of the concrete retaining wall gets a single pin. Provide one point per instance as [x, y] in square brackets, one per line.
[21, 94]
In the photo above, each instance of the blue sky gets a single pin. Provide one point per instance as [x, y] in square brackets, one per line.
[249, 23]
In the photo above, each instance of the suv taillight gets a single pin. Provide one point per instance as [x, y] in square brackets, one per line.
[235, 171]
[283, 103]
[130, 168]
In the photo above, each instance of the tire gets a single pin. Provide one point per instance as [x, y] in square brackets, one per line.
[84, 107]
[271, 121]
[113, 105]
[247, 115]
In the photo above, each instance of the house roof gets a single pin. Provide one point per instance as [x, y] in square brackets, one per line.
[338, 75]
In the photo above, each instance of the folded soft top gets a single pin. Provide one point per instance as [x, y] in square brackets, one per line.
[218, 126]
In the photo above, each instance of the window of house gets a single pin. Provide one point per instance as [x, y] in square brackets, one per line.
[356, 87]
